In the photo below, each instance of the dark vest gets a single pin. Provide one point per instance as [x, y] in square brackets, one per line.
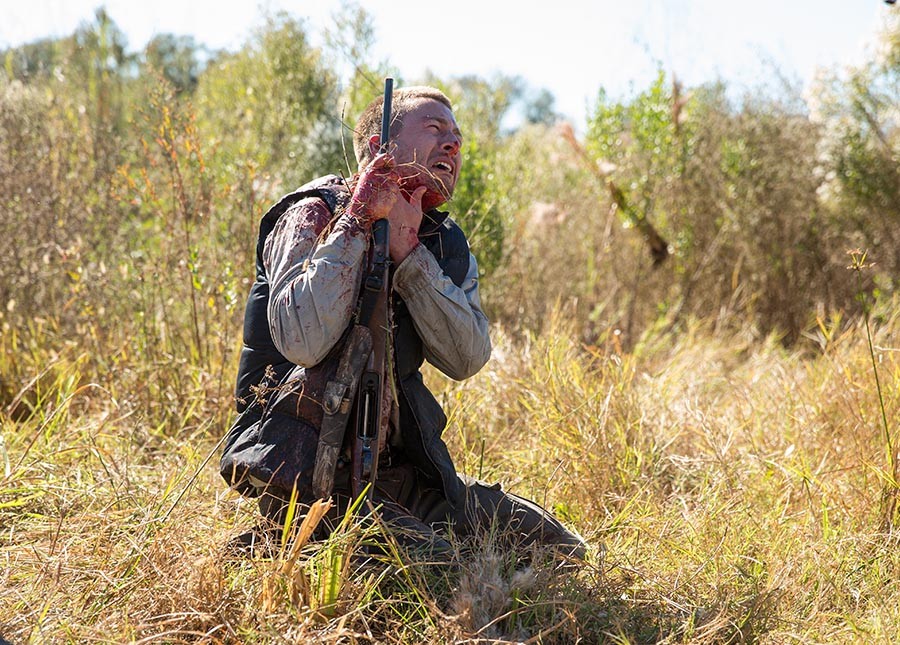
[283, 451]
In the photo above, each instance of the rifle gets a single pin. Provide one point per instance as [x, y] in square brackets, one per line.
[375, 315]
[360, 375]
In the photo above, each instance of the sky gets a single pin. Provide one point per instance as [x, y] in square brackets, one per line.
[573, 48]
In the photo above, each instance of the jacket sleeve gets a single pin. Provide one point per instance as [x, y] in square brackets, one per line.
[448, 319]
[313, 284]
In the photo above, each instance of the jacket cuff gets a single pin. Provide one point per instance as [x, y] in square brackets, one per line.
[416, 272]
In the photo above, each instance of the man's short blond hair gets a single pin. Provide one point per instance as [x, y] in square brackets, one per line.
[404, 100]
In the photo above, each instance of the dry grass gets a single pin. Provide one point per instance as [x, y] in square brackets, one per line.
[730, 492]
[712, 426]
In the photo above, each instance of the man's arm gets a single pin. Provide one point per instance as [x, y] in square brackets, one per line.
[313, 287]
[447, 318]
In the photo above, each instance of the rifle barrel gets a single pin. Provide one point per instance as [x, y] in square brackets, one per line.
[386, 113]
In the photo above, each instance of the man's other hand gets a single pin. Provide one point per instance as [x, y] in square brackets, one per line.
[405, 218]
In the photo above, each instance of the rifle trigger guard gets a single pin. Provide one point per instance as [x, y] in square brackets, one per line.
[374, 282]
[335, 393]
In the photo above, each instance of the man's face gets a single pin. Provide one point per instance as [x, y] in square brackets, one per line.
[426, 151]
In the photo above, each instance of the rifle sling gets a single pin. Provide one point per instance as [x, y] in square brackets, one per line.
[337, 402]
[374, 283]
[374, 303]
[355, 358]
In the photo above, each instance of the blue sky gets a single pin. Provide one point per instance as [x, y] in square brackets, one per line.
[571, 48]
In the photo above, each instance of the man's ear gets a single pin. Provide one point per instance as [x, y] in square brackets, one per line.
[374, 144]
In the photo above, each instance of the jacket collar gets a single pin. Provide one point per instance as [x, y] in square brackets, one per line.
[431, 221]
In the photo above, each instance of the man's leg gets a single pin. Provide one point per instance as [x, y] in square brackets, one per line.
[524, 521]
[416, 514]
[264, 539]
[485, 506]
[405, 507]
[397, 495]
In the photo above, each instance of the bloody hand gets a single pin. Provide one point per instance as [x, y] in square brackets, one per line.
[405, 219]
[377, 190]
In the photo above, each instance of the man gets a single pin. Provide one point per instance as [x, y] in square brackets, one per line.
[311, 260]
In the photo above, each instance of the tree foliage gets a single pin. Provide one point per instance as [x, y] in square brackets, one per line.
[177, 59]
[860, 148]
[272, 105]
[757, 199]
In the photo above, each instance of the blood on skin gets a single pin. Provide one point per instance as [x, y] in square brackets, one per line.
[433, 197]
[409, 235]
[375, 191]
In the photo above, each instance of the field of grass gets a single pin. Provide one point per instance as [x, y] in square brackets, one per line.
[720, 424]
[730, 491]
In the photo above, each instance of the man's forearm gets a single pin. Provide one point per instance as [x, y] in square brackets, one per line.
[447, 318]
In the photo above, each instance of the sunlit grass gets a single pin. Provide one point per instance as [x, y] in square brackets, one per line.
[728, 490]
[720, 428]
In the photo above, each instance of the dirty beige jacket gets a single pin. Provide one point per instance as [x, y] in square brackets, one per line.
[314, 287]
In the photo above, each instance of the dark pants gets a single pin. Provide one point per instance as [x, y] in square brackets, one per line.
[419, 516]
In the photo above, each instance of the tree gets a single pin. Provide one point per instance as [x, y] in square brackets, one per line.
[177, 59]
[272, 106]
[350, 44]
[98, 66]
[32, 61]
[860, 149]
[540, 109]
